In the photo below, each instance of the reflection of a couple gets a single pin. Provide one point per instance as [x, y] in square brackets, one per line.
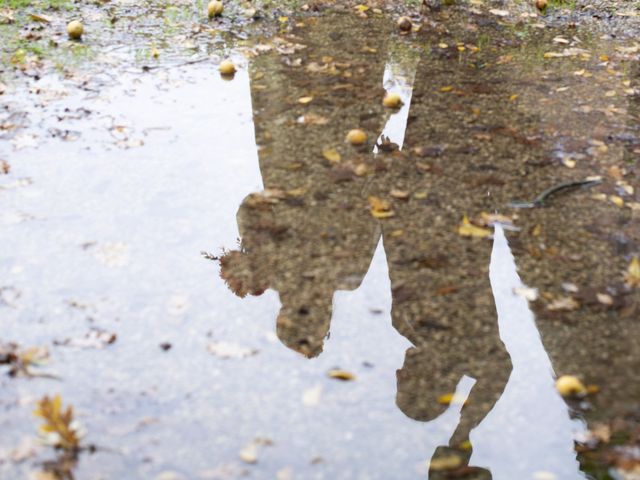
[311, 231]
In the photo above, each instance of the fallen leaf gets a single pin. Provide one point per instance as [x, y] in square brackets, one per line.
[94, 338]
[527, 293]
[311, 396]
[113, 255]
[604, 299]
[312, 119]
[499, 13]
[332, 155]
[26, 449]
[60, 429]
[563, 303]
[39, 18]
[305, 100]
[632, 276]
[490, 219]
[380, 208]
[466, 229]
[230, 350]
[341, 375]
[249, 454]
[399, 194]
[617, 201]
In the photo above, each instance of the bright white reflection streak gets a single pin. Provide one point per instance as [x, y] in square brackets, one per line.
[399, 75]
[529, 433]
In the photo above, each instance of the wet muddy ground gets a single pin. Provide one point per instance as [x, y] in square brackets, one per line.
[223, 287]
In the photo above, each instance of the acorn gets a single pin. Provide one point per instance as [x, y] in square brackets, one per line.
[392, 100]
[541, 5]
[227, 68]
[214, 8]
[356, 137]
[75, 29]
[570, 386]
[404, 24]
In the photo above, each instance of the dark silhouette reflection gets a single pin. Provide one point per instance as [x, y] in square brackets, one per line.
[482, 131]
[308, 233]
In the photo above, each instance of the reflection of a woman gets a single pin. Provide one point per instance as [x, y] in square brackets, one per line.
[308, 234]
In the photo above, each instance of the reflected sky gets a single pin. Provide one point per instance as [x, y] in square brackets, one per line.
[352, 291]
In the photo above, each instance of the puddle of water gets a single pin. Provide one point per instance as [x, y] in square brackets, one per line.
[354, 262]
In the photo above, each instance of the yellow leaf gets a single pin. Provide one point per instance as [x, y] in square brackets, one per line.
[297, 192]
[341, 375]
[362, 8]
[466, 229]
[632, 276]
[446, 89]
[36, 17]
[332, 155]
[617, 201]
[399, 194]
[305, 100]
[380, 208]
[56, 405]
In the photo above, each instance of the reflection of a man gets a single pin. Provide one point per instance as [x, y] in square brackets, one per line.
[470, 148]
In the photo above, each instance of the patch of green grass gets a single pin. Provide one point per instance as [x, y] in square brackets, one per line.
[568, 4]
[37, 4]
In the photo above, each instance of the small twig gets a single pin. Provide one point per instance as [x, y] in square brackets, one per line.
[540, 199]
[209, 256]
[146, 68]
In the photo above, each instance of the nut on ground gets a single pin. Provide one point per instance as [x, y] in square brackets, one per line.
[541, 5]
[404, 24]
[356, 137]
[75, 29]
[227, 68]
[392, 100]
[214, 8]
[570, 386]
